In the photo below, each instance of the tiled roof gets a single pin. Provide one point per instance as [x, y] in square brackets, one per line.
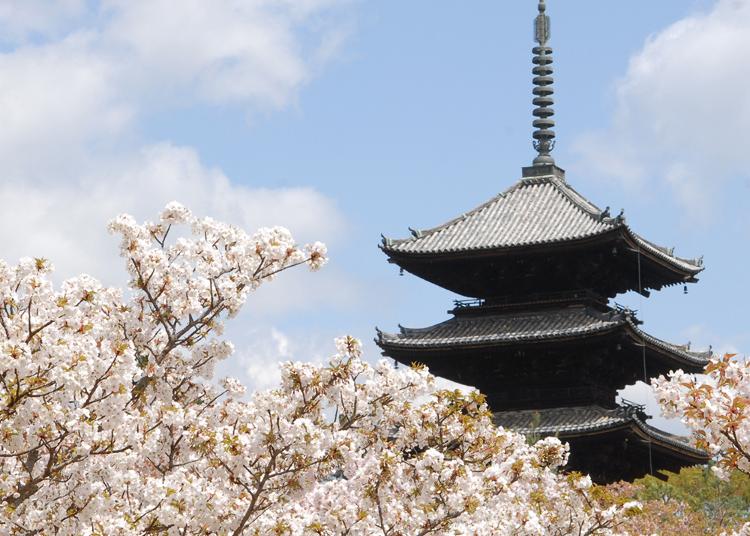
[534, 211]
[684, 351]
[691, 265]
[508, 327]
[561, 420]
[585, 419]
[513, 327]
[655, 433]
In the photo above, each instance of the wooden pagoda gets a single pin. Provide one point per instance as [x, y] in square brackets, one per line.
[539, 337]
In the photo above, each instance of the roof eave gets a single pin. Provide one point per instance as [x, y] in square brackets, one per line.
[689, 268]
[690, 360]
[449, 346]
[653, 435]
[397, 255]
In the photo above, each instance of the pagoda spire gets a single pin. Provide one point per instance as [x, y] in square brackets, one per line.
[544, 137]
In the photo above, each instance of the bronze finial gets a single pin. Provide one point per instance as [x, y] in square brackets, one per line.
[544, 136]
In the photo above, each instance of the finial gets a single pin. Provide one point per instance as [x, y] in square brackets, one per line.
[541, 25]
[544, 137]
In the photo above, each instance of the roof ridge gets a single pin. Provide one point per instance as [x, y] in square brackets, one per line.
[582, 203]
[611, 315]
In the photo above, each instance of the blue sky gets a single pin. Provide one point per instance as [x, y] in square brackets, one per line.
[345, 119]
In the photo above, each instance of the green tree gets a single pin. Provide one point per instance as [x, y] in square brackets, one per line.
[724, 503]
[695, 498]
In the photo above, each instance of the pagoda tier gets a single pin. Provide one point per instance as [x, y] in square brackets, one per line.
[609, 444]
[558, 354]
[540, 235]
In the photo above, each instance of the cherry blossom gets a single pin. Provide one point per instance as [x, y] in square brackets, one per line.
[110, 423]
[716, 409]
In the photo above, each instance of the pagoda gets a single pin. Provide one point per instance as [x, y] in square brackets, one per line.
[539, 335]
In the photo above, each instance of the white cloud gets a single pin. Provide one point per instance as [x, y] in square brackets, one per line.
[79, 79]
[259, 362]
[54, 99]
[261, 350]
[66, 221]
[681, 110]
[93, 70]
[223, 50]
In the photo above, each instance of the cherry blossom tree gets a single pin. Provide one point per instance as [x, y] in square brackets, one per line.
[110, 423]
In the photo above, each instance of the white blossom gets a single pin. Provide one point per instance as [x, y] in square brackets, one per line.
[317, 255]
[233, 387]
[717, 409]
[109, 424]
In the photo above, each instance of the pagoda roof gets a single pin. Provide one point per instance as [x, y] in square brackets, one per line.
[485, 330]
[538, 210]
[584, 420]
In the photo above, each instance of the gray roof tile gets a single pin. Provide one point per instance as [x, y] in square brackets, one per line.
[561, 420]
[683, 350]
[532, 211]
[585, 419]
[539, 210]
[513, 327]
[508, 327]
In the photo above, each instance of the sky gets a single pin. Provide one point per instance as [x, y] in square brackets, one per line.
[345, 119]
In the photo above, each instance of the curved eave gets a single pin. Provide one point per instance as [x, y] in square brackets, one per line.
[647, 434]
[664, 256]
[395, 254]
[675, 355]
[391, 341]
[685, 270]
[669, 441]
[536, 213]
[679, 355]
[604, 422]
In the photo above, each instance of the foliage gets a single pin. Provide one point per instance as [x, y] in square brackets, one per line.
[722, 502]
[692, 502]
[109, 425]
[664, 516]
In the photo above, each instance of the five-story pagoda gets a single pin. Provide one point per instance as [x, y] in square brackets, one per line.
[539, 337]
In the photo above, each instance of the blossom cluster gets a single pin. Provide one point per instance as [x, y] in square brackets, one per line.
[716, 409]
[110, 425]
